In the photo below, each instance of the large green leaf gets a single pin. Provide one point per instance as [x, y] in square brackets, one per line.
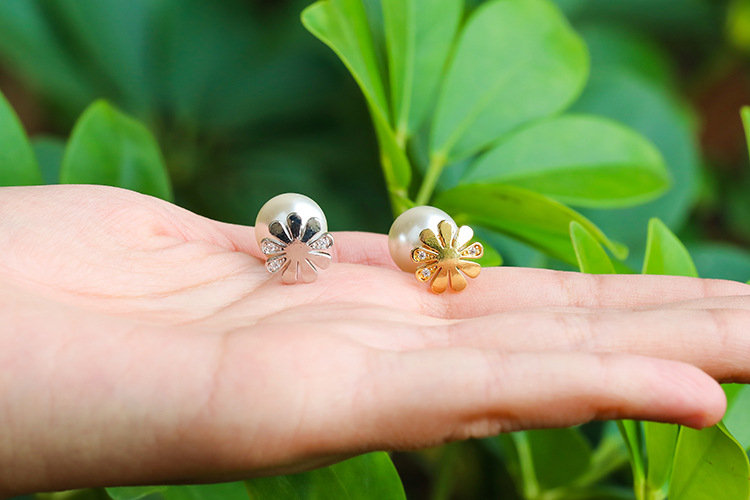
[419, 35]
[223, 491]
[516, 60]
[709, 464]
[367, 477]
[110, 148]
[18, 165]
[530, 217]
[665, 254]
[343, 26]
[559, 456]
[579, 160]
[591, 256]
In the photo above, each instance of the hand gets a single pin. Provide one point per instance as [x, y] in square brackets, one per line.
[142, 343]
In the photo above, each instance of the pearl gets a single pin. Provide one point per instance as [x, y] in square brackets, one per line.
[278, 207]
[404, 234]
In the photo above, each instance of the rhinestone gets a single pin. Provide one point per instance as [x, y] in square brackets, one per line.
[322, 243]
[275, 264]
[425, 273]
[420, 255]
[474, 250]
[269, 247]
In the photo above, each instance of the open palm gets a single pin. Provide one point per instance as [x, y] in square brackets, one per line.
[145, 344]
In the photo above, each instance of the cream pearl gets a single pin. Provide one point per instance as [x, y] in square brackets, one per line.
[404, 234]
[278, 207]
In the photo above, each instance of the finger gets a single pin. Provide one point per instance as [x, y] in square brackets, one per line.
[506, 288]
[427, 398]
[715, 339]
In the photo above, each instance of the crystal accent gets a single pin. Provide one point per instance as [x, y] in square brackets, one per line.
[322, 243]
[273, 265]
[420, 255]
[269, 247]
[473, 250]
[425, 273]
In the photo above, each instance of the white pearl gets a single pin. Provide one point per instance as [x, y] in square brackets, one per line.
[278, 207]
[404, 234]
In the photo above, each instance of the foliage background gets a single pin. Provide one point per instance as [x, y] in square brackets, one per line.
[245, 104]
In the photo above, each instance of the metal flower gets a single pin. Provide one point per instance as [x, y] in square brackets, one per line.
[297, 252]
[441, 257]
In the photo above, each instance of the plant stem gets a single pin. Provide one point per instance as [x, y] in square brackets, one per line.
[437, 163]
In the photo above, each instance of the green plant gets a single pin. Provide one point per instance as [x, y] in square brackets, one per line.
[476, 118]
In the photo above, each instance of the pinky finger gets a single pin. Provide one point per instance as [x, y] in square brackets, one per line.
[426, 398]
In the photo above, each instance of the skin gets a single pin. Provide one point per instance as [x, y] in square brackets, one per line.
[142, 343]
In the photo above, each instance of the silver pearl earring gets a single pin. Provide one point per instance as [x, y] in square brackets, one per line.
[427, 242]
[291, 230]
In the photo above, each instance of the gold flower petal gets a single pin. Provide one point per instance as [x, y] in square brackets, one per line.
[446, 233]
[427, 236]
[471, 269]
[463, 237]
[440, 283]
[458, 282]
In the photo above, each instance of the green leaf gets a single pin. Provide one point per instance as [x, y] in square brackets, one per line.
[18, 165]
[342, 25]
[419, 35]
[591, 256]
[491, 256]
[736, 418]
[579, 160]
[223, 491]
[367, 477]
[660, 440]
[708, 463]
[395, 164]
[665, 254]
[530, 217]
[516, 60]
[110, 148]
[560, 456]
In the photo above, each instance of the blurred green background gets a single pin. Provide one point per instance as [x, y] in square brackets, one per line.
[246, 104]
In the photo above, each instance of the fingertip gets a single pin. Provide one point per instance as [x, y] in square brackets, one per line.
[693, 397]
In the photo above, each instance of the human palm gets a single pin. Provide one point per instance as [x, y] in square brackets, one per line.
[146, 344]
